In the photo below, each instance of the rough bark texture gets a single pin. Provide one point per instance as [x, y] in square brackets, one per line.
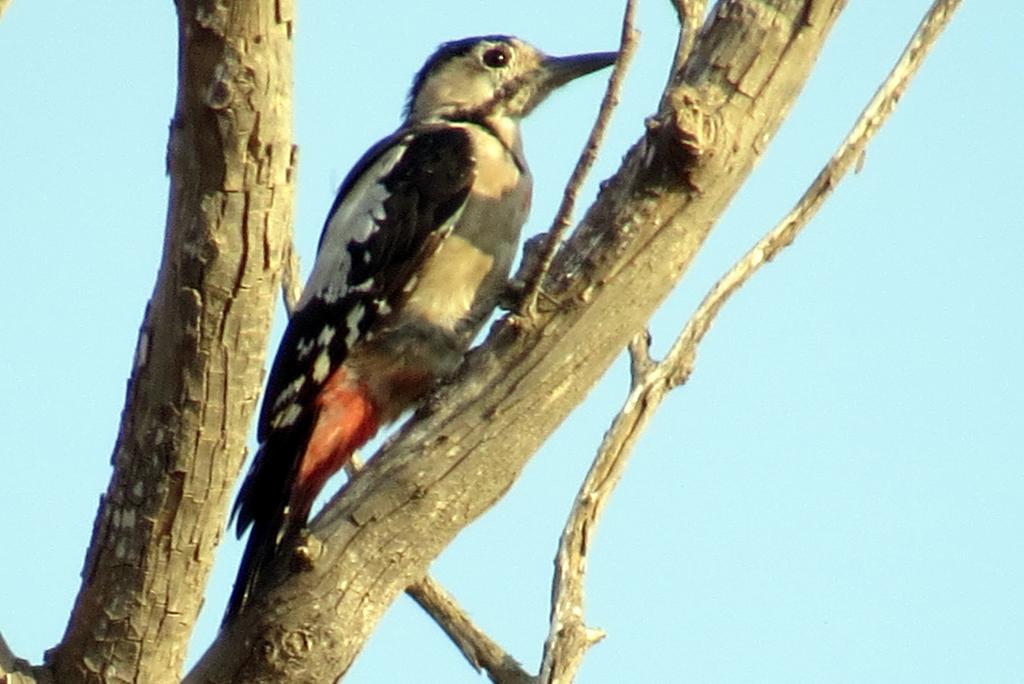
[198, 366]
[445, 469]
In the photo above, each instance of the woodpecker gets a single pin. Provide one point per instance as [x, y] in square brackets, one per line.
[413, 257]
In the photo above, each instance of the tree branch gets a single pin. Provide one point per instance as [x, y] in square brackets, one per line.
[569, 638]
[478, 648]
[199, 360]
[466, 447]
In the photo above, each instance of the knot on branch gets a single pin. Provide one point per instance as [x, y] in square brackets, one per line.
[678, 140]
[281, 647]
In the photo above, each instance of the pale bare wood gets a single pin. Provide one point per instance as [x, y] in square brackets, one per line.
[679, 361]
[15, 670]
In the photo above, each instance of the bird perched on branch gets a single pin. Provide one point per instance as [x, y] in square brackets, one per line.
[413, 258]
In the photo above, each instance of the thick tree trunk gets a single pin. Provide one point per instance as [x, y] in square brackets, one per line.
[383, 531]
[199, 363]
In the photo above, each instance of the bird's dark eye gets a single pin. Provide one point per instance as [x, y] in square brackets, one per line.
[496, 57]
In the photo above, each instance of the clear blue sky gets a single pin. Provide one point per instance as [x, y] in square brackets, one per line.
[837, 495]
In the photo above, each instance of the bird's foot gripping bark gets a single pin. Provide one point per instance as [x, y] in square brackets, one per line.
[308, 548]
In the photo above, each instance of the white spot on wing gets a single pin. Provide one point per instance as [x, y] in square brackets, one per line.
[304, 347]
[290, 391]
[326, 335]
[352, 321]
[286, 417]
[321, 367]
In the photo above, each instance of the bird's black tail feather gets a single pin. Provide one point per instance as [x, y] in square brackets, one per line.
[263, 503]
[260, 551]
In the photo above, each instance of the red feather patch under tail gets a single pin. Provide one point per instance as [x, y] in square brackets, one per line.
[347, 418]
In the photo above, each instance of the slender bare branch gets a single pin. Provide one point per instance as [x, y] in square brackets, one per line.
[849, 154]
[563, 218]
[569, 638]
[482, 652]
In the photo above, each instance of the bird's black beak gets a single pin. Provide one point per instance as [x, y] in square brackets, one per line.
[560, 70]
[555, 72]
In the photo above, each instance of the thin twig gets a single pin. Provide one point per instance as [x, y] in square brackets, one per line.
[478, 648]
[563, 218]
[568, 637]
